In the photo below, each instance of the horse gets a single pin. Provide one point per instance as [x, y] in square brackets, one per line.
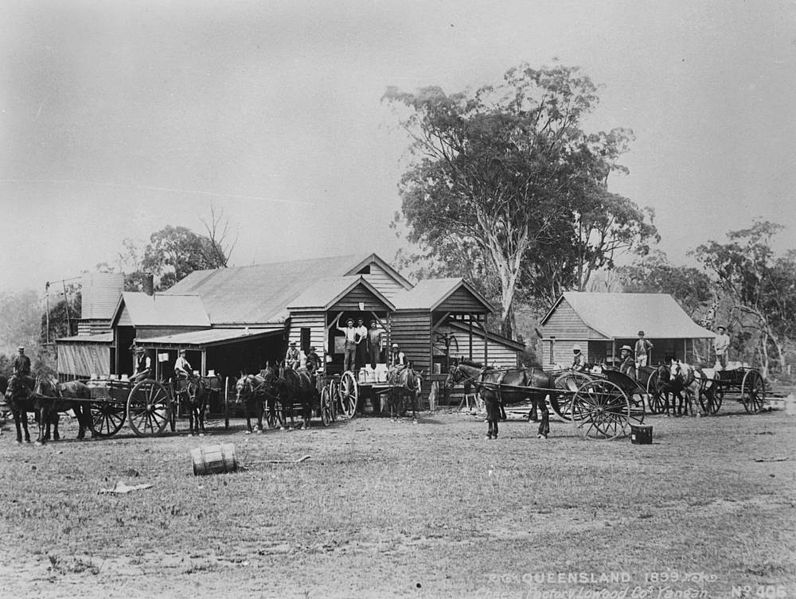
[295, 387]
[510, 386]
[61, 397]
[21, 400]
[193, 393]
[250, 393]
[403, 381]
[688, 379]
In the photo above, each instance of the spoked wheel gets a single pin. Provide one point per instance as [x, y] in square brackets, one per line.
[349, 394]
[106, 418]
[601, 410]
[569, 382]
[710, 396]
[273, 415]
[148, 408]
[753, 391]
[655, 400]
[326, 406]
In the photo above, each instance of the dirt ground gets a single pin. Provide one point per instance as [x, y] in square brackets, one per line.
[386, 508]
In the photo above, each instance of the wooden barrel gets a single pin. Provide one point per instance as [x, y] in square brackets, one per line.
[641, 434]
[214, 459]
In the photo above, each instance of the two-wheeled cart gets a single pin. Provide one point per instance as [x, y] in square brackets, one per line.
[146, 406]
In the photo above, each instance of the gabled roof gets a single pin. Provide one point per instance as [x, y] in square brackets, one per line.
[105, 338]
[162, 310]
[375, 259]
[326, 292]
[260, 293]
[623, 315]
[428, 294]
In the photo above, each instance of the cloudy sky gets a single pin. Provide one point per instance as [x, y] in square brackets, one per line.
[118, 118]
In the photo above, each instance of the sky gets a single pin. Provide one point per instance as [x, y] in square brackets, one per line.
[118, 118]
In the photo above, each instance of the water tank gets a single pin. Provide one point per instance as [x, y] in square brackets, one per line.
[101, 291]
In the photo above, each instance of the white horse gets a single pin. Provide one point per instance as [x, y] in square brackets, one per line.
[691, 381]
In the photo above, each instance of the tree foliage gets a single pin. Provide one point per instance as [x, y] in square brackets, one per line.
[506, 172]
[762, 285]
[690, 287]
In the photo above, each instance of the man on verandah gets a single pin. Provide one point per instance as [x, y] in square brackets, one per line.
[350, 348]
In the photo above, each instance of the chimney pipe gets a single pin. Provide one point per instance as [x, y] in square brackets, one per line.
[149, 283]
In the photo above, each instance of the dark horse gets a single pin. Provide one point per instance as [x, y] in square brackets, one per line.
[508, 387]
[403, 381]
[21, 400]
[60, 397]
[294, 387]
[193, 393]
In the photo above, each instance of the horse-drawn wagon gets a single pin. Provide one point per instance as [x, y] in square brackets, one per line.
[148, 406]
[599, 405]
[744, 384]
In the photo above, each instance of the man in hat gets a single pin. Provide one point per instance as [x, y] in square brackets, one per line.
[21, 365]
[362, 343]
[578, 359]
[350, 348]
[627, 364]
[292, 356]
[374, 343]
[312, 361]
[722, 346]
[643, 347]
[143, 364]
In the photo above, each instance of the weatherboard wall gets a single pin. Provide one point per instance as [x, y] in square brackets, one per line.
[359, 295]
[382, 281]
[315, 321]
[411, 330]
[461, 301]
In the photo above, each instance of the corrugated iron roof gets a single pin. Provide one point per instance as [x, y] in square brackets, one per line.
[259, 293]
[623, 315]
[163, 309]
[209, 337]
[430, 293]
[98, 338]
[324, 293]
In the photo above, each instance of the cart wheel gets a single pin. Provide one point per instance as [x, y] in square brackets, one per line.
[349, 394]
[655, 400]
[326, 406]
[601, 410]
[753, 391]
[106, 418]
[710, 397]
[148, 408]
[273, 415]
[569, 382]
[334, 396]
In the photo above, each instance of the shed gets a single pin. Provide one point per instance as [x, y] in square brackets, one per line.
[602, 322]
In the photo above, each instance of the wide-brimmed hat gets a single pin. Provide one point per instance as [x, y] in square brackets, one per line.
[182, 351]
[641, 333]
[312, 348]
[21, 348]
[395, 345]
[351, 320]
[625, 347]
[292, 344]
[722, 327]
[575, 348]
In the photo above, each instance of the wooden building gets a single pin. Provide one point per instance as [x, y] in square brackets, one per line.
[601, 323]
[235, 319]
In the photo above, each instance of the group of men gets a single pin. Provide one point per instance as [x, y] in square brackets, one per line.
[362, 345]
[633, 359]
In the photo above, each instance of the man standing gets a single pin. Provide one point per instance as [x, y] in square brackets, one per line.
[643, 347]
[21, 365]
[722, 345]
[349, 351]
[362, 343]
[374, 343]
